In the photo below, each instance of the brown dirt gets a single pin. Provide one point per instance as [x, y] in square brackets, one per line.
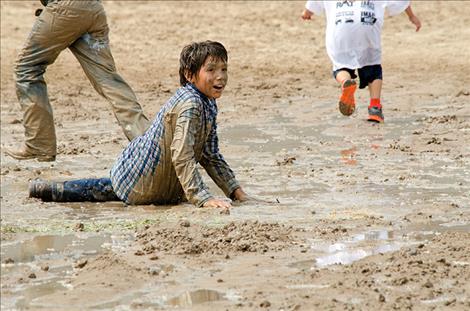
[233, 237]
[395, 195]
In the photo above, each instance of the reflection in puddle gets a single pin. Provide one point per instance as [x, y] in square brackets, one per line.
[51, 246]
[374, 235]
[38, 290]
[56, 251]
[348, 156]
[372, 243]
[348, 251]
[307, 286]
[436, 300]
[188, 299]
[59, 246]
[350, 256]
[371, 236]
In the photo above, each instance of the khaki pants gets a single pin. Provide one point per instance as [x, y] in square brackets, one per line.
[80, 26]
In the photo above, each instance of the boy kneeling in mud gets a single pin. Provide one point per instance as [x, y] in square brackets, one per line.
[160, 167]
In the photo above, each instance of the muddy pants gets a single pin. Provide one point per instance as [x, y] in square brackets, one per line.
[80, 26]
[83, 190]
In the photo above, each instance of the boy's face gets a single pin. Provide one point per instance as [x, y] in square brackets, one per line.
[211, 78]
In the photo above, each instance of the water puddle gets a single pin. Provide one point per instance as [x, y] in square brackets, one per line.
[358, 247]
[348, 251]
[58, 253]
[29, 293]
[328, 161]
[439, 300]
[50, 246]
[195, 297]
[348, 156]
[371, 243]
[347, 257]
[308, 286]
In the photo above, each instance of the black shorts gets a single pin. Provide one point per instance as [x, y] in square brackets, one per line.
[367, 74]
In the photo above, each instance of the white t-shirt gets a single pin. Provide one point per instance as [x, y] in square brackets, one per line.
[354, 29]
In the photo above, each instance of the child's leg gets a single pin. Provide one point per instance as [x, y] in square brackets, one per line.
[342, 75]
[81, 190]
[375, 89]
[347, 103]
[375, 106]
[371, 76]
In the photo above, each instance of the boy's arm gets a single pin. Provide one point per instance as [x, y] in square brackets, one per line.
[183, 158]
[413, 18]
[395, 7]
[215, 165]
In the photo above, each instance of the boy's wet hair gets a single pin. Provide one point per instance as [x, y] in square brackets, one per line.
[195, 54]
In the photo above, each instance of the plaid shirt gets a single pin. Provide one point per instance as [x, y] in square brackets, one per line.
[160, 167]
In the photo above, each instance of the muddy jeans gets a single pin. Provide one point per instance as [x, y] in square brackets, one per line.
[82, 27]
[84, 190]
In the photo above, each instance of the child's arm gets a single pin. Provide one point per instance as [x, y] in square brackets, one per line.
[217, 203]
[239, 195]
[413, 18]
[184, 160]
[218, 169]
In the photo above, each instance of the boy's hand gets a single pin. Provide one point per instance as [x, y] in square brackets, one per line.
[217, 203]
[306, 14]
[415, 20]
[240, 195]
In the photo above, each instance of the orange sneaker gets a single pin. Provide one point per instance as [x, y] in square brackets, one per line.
[375, 114]
[347, 104]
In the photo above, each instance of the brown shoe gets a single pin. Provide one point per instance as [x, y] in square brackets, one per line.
[23, 154]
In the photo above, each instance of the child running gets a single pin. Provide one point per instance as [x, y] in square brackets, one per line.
[160, 167]
[353, 42]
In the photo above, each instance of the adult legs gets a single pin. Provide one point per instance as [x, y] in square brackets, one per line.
[94, 54]
[41, 49]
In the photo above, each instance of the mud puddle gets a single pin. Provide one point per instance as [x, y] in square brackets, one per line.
[328, 166]
[187, 299]
[45, 264]
[374, 242]
[190, 298]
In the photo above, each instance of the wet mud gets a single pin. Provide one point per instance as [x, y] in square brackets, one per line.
[350, 215]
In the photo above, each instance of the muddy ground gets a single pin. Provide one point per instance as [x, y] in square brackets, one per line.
[364, 216]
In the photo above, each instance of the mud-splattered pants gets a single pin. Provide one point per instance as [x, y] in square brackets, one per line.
[81, 26]
[84, 190]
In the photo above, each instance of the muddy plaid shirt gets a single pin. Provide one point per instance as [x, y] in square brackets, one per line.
[160, 167]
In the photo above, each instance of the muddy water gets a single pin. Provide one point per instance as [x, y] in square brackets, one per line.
[191, 298]
[362, 245]
[61, 254]
[327, 163]
[311, 170]
[54, 254]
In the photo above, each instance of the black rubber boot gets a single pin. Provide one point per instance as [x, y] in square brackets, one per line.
[41, 189]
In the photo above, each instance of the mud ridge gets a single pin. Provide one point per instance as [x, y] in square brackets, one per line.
[248, 236]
